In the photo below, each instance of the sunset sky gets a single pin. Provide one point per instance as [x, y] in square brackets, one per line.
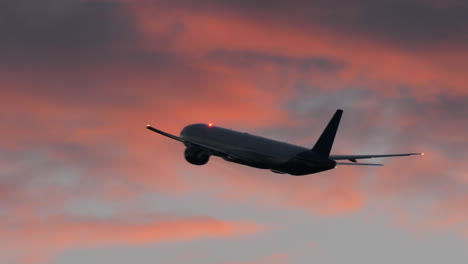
[83, 181]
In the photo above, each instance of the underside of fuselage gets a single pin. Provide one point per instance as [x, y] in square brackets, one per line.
[295, 166]
[300, 167]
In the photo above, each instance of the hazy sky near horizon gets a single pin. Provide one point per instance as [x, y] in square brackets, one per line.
[83, 181]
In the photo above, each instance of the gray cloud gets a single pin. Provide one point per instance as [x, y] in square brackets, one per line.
[50, 30]
[78, 52]
[403, 22]
[250, 59]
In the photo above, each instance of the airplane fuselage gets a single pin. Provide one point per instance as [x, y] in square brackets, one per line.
[254, 151]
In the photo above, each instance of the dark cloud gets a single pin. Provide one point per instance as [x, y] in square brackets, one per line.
[250, 59]
[51, 49]
[76, 52]
[406, 23]
[54, 30]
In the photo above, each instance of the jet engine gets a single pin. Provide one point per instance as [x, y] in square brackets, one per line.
[196, 156]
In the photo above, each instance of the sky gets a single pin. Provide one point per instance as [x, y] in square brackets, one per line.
[83, 181]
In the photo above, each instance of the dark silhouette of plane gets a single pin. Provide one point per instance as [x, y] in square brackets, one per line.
[205, 140]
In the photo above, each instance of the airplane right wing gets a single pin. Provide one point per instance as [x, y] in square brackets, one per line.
[354, 158]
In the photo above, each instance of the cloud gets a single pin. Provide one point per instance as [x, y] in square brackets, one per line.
[81, 79]
[404, 22]
[36, 240]
[53, 31]
[276, 258]
[376, 63]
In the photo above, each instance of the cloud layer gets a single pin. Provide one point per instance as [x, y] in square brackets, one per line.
[80, 79]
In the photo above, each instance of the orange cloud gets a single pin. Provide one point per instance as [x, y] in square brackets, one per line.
[37, 239]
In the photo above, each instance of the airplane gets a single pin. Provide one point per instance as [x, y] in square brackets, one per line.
[205, 140]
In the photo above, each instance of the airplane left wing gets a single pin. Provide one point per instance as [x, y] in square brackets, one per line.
[164, 133]
[212, 150]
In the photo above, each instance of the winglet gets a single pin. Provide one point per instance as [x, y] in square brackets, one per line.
[325, 142]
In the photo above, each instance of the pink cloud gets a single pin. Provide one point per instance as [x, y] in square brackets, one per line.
[380, 65]
[36, 240]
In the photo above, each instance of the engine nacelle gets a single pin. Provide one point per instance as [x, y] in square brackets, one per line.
[196, 156]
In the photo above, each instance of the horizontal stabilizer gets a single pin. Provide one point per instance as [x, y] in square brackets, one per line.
[361, 164]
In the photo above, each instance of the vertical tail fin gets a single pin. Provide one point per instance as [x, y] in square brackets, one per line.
[325, 142]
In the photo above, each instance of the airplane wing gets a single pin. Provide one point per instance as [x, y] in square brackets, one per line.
[164, 133]
[354, 158]
[212, 150]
